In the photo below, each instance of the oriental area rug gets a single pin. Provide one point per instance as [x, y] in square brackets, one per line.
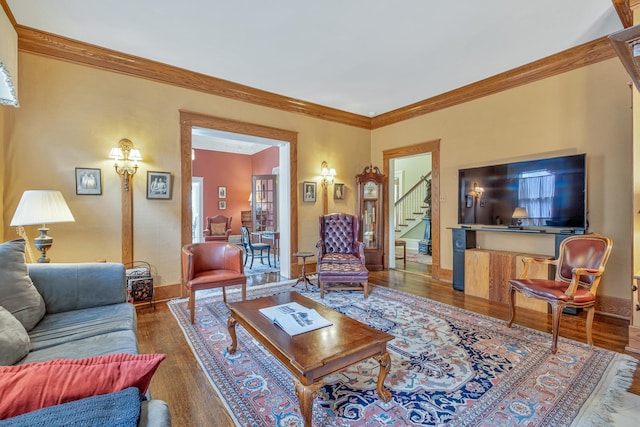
[448, 367]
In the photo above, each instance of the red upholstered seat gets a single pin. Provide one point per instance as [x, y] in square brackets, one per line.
[211, 265]
[579, 268]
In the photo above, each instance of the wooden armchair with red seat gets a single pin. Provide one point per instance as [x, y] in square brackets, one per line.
[579, 268]
[211, 265]
[218, 229]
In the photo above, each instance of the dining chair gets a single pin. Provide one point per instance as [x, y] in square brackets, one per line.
[250, 249]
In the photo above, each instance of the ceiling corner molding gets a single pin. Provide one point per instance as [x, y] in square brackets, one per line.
[7, 11]
[624, 12]
[37, 42]
[570, 59]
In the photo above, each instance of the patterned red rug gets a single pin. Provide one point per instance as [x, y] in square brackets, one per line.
[449, 366]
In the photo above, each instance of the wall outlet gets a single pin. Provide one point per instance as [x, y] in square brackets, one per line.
[443, 199]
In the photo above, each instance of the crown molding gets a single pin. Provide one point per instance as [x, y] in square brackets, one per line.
[50, 45]
[623, 8]
[580, 56]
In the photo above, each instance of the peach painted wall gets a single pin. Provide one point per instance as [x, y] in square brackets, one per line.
[582, 111]
[229, 170]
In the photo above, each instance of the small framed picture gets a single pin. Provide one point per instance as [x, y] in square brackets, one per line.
[469, 201]
[88, 181]
[338, 192]
[222, 192]
[308, 191]
[222, 205]
[158, 185]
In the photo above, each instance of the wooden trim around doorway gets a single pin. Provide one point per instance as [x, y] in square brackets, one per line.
[190, 119]
[432, 147]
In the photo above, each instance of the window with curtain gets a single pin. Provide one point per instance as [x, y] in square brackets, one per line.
[535, 194]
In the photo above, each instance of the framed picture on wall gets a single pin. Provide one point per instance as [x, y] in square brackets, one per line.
[338, 192]
[222, 205]
[308, 191]
[88, 181]
[158, 185]
[222, 192]
[469, 201]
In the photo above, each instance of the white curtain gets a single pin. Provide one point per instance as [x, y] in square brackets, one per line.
[535, 194]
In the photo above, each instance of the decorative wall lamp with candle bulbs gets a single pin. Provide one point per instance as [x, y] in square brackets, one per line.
[328, 174]
[41, 207]
[126, 160]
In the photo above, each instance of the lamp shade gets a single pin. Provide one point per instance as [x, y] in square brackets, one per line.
[41, 207]
[520, 213]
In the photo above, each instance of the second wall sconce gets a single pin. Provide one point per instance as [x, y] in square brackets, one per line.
[126, 160]
[328, 174]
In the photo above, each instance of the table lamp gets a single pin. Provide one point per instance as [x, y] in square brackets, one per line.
[519, 214]
[41, 207]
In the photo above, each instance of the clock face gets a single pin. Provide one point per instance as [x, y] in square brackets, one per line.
[370, 190]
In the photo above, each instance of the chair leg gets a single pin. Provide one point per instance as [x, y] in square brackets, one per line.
[269, 256]
[512, 305]
[321, 285]
[244, 291]
[224, 294]
[365, 285]
[252, 256]
[556, 311]
[590, 312]
[192, 306]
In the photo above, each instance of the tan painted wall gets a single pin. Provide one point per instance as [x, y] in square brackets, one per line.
[70, 116]
[586, 110]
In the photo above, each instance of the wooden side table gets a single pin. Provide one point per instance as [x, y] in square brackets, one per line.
[303, 278]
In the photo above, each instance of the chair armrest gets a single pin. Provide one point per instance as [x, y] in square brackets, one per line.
[206, 232]
[233, 259]
[320, 249]
[228, 232]
[527, 261]
[359, 249]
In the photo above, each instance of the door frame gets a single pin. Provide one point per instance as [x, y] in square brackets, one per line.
[189, 120]
[432, 147]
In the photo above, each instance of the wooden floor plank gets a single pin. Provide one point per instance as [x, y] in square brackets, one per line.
[184, 386]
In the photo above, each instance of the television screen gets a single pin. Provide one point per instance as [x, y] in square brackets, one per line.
[544, 193]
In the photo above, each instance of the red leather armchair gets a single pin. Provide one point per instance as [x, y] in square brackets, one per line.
[579, 268]
[339, 240]
[215, 231]
[211, 265]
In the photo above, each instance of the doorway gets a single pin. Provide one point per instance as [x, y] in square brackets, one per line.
[432, 147]
[288, 204]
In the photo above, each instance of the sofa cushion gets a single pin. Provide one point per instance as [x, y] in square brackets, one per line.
[17, 293]
[14, 340]
[98, 345]
[120, 408]
[59, 328]
[65, 380]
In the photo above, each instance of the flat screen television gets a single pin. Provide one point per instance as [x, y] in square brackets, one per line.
[550, 193]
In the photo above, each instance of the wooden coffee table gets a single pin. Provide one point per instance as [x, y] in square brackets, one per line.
[312, 355]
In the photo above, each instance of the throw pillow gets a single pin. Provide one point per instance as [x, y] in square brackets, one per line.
[25, 388]
[14, 340]
[218, 229]
[17, 293]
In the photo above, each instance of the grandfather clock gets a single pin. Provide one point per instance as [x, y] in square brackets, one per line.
[370, 196]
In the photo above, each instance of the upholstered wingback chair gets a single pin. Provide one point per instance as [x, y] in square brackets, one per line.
[339, 239]
[218, 229]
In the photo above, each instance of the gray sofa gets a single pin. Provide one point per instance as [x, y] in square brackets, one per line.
[86, 316]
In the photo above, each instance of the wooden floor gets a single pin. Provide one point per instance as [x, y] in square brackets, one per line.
[183, 385]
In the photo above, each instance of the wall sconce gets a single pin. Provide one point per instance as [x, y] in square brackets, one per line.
[126, 160]
[477, 191]
[41, 207]
[519, 214]
[328, 174]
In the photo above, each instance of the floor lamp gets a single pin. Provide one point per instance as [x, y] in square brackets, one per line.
[41, 207]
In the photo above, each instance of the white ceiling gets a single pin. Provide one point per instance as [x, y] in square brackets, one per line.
[362, 56]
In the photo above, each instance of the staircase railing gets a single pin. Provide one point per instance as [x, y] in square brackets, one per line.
[411, 204]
